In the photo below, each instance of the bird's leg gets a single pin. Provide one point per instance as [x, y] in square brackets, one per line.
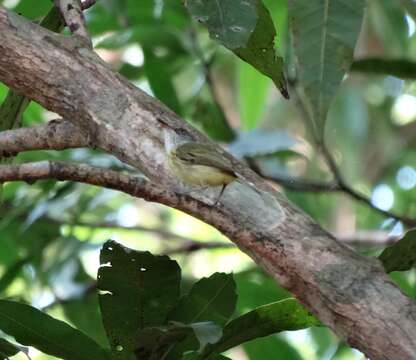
[219, 196]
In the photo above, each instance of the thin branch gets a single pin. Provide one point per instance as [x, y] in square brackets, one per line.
[83, 173]
[71, 11]
[347, 189]
[86, 4]
[340, 183]
[162, 233]
[193, 246]
[303, 185]
[57, 134]
[368, 238]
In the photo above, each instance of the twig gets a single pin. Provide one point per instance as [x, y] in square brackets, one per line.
[368, 238]
[57, 134]
[71, 11]
[346, 188]
[193, 246]
[165, 234]
[86, 4]
[341, 183]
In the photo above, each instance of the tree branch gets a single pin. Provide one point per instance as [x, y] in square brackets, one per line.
[57, 134]
[71, 11]
[350, 293]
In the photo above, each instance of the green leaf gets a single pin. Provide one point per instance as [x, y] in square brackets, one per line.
[195, 356]
[84, 313]
[231, 22]
[324, 36]
[246, 28]
[211, 120]
[160, 80]
[7, 349]
[256, 288]
[31, 327]
[402, 255]
[155, 342]
[265, 320]
[401, 68]
[267, 348]
[138, 290]
[11, 110]
[210, 299]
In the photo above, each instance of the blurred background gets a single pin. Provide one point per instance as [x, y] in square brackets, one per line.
[51, 233]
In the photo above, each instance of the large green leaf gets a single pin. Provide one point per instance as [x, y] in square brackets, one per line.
[265, 320]
[210, 299]
[137, 291]
[324, 35]
[402, 255]
[246, 28]
[31, 327]
[84, 313]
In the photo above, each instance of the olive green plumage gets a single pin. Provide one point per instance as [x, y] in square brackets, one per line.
[201, 165]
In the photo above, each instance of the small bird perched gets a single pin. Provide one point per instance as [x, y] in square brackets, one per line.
[197, 164]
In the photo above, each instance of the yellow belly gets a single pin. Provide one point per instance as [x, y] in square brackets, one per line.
[201, 175]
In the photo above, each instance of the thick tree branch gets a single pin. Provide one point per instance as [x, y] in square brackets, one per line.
[349, 293]
[57, 134]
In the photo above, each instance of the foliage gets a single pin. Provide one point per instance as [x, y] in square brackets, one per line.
[145, 317]
[51, 233]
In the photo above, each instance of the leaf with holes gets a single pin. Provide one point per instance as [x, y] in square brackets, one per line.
[324, 35]
[246, 28]
[137, 290]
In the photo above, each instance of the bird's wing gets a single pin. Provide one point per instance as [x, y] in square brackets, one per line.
[203, 154]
